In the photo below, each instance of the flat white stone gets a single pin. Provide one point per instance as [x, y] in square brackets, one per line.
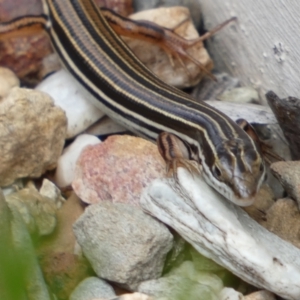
[64, 174]
[224, 233]
[80, 111]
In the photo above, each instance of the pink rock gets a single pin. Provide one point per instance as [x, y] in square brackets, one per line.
[117, 170]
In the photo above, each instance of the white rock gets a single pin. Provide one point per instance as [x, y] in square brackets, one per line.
[80, 111]
[225, 233]
[64, 174]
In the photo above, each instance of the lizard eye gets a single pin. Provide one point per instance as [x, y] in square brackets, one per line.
[216, 171]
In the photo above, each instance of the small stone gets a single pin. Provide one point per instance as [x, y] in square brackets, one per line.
[122, 244]
[230, 294]
[8, 80]
[260, 295]
[32, 134]
[283, 219]
[288, 174]
[77, 104]
[135, 296]
[117, 170]
[240, 95]
[38, 212]
[51, 191]
[64, 174]
[184, 283]
[105, 126]
[92, 287]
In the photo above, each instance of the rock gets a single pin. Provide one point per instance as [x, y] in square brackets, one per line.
[63, 268]
[133, 296]
[230, 294]
[223, 232]
[260, 295]
[181, 72]
[22, 51]
[64, 174]
[50, 64]
[8, 80]
[77, 104]
[117, 170]
[253, 113]
[193, 6]
[240, 95]
[184, 283]
[263, 201]
[37, 211]
[92, 287]
[288, 174]
[210, 89]
[50, 190]
[32, 135]
[20, 273]
[122, 244]
[287, 113]
[105, 126]
[17, 185]
[283, 219]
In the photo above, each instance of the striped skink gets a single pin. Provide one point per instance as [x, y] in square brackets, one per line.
[130, 94]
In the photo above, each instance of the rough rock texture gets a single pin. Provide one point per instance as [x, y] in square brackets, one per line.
[123, 244]
[184, 283]
[283, 219]
[117, 170]
[92, 287]
[50, 190]
[288, 174]
[32, 134]
[8, 80]
[38, 212]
